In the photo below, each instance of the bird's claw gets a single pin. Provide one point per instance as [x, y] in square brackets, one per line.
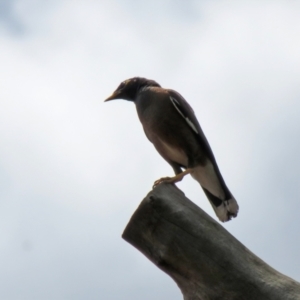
[163, 179]
[172, 180]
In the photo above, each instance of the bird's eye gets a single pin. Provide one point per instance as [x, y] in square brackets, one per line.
[122, 85]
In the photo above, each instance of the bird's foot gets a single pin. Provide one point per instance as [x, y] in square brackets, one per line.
[173, 179]
[163, 179]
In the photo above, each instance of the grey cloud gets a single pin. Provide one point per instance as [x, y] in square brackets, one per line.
[73, 169]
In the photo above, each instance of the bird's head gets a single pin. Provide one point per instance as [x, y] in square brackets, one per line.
[129, 88]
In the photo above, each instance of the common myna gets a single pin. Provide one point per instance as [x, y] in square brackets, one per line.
[170, 124]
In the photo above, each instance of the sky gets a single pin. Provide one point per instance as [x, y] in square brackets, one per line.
[73, 169]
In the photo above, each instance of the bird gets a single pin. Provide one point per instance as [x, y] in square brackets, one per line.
[170, 124]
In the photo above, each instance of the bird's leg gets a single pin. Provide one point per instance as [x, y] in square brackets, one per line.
[174, 179]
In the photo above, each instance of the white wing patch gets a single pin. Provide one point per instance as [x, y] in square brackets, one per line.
[189, 122]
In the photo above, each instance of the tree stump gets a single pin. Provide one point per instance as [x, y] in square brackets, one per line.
[202, 257]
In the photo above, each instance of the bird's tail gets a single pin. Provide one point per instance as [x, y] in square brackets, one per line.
[224, 209]
[222, 201]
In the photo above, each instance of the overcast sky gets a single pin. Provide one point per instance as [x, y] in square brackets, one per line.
[73, 169]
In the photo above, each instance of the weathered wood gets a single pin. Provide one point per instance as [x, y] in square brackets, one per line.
[203, 258]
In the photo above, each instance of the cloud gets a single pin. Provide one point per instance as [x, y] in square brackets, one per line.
[73, 169]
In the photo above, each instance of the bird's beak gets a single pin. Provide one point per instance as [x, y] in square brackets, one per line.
[114, 96]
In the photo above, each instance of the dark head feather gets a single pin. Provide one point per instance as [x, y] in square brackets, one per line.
[128, 89]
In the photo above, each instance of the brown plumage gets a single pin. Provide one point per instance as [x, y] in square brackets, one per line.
[171, 125]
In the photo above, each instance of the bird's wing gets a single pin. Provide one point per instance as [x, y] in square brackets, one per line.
[186, 111]
[209, 176]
